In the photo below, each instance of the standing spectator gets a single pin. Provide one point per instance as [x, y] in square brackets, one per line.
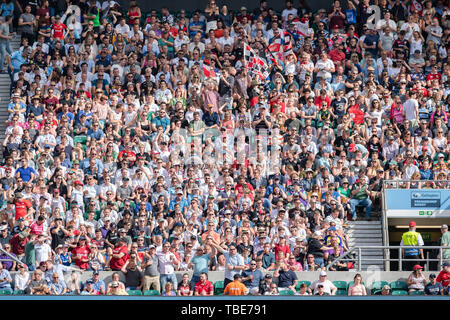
[167, 261]
[252, 278]
[150, 267]
[287, 279]
[134, 278]
[5, 45]
[119, 255]
[234, 262]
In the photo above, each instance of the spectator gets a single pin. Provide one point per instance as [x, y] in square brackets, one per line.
[150, 267]
[167, 262]
[357, 288]
[433, 288]
[252, 278]
[169, 290]
[236, 287]
[5, 279]
[416, 280]
[134, 278]
[327, 286]
[444, 276]
[185, 287]
[234, 263]
[204, 287]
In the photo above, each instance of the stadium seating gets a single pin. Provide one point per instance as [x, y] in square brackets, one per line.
[219, 287]
[286, 293]
[151, 293]
[417, 293]
[398, 285]
[378, 285]
[400, 293]
[5, 292]
[134, 292]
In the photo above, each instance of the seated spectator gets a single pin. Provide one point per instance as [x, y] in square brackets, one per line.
[433, 288]
[116, 290]
[328, 286]
[236, 287]
[115, 279]
[185, 287]
[169, 290]
[204, 287]
[357, 288]
[416, 280]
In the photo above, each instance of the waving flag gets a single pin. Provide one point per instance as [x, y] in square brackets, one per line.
[255, 65]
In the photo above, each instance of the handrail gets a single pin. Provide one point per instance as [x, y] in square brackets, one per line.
[12, 257]
[437, 184]
[344, 258]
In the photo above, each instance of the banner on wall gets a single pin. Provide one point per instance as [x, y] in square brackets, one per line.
[417, 203]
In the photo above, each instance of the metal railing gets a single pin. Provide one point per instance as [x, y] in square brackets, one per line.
[386, 259]
[416, 184]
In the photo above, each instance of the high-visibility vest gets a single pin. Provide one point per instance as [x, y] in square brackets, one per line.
[410, 239]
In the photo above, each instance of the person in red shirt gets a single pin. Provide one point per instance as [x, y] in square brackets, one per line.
[282, 246]
[58, 29]
[434, 75]
[18, 243]
[337, 55]
[240, 186]
[23, 207]
[204, 287]
[356, 114]
[444, 275]
[37, 227]
[119, 256]
[322, 97]
[80, 254]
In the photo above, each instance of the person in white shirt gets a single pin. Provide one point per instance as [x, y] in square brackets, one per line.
[387, 21]
[166, 262]
[411, 109]
[289, 10]
[324, 66]
[123, 28]
[42, 248]
[328, 286]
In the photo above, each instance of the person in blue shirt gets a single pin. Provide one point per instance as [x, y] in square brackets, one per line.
[252, 277]
[7, 8]
[161, 120]
[17, 59]
[199, 263]
[196, 26]
[95, 132]
[25, 172]
[35, 108]
[65, 112]
[181, 201]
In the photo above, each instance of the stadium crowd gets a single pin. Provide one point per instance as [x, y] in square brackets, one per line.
[142, 143]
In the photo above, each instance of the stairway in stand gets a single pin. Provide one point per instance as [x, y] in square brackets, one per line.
[366, 233]
[5, 94]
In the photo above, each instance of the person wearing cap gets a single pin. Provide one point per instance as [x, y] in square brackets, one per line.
[235, 287]
[416, 280]
[89, 289]
[444, 277]
[411, 238]
[445, 242]
[433, 288]
[327, 285]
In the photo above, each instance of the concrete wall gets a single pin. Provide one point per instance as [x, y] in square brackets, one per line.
[368, 276]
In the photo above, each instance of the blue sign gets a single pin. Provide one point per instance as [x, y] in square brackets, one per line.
[412, 203]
